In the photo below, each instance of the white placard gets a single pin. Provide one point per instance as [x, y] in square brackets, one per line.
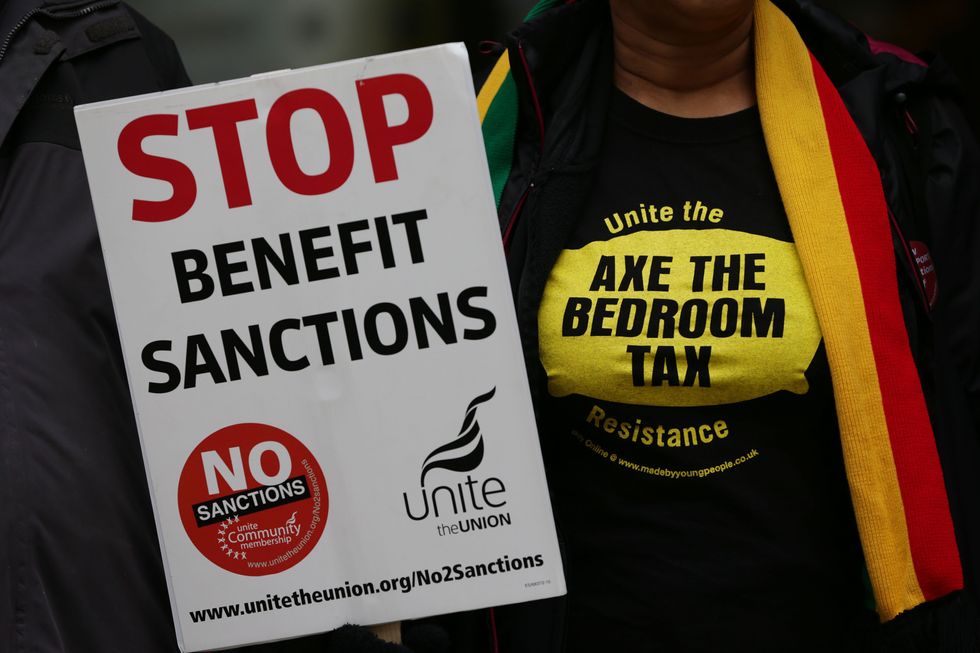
[321, 344]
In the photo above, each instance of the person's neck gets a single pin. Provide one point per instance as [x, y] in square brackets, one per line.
[691, 75]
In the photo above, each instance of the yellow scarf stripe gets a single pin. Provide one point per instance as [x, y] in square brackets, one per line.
[799, 148]
[490, 87]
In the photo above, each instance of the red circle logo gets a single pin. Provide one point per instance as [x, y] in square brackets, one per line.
[252, 499]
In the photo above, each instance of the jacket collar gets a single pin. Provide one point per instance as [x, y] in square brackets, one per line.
[561, 62]
[36, 33]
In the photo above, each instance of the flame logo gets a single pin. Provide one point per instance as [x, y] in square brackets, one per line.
[292, 519]
[464, 453]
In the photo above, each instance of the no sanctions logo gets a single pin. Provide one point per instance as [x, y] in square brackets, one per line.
[252, 499]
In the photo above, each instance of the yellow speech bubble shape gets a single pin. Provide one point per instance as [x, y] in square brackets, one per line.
[682, 317]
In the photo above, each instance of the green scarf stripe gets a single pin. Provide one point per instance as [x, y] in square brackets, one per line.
[541, 7]
[499, 127]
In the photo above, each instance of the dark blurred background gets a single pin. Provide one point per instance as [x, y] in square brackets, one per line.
[224, 39]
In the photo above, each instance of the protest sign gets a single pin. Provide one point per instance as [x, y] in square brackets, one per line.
[319, 334]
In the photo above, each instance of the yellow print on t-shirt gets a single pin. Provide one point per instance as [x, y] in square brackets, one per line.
[682, 317]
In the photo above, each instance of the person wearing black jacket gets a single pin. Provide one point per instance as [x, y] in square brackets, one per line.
[80, 566]
[635, 162]
[642, 161]
[646, 155]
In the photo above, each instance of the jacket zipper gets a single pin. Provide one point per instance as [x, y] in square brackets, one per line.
[512, 221]
[77, 13]
[908, 122]
[17, 27]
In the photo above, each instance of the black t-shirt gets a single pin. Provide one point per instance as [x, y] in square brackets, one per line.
[696, 460]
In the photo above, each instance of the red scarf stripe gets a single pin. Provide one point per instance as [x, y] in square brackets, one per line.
[920, 477]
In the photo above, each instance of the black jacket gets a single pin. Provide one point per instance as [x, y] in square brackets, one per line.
[930, 166]
[80, 565]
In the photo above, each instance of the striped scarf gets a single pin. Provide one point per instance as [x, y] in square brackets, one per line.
[832, 193]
